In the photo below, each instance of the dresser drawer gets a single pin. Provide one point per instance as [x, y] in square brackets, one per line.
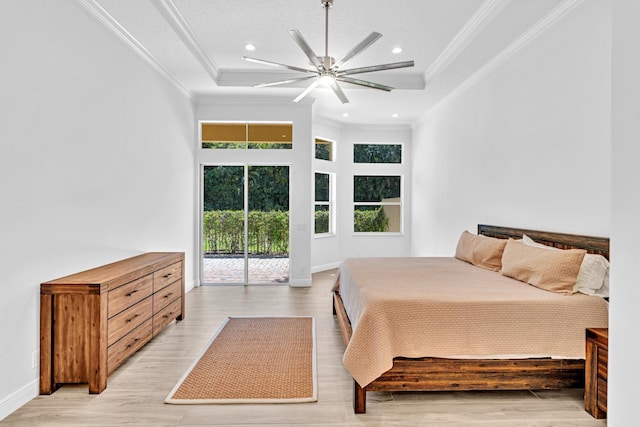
[129, 344]
[167, 295]
[167, 275]
[124, 322]
[166, 315]
[127, 295]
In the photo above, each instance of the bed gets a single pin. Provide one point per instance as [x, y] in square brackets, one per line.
[447, 355]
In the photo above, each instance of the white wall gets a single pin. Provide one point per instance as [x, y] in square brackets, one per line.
[527, 146]
[625, 233]
[325, 249]
[96, 164]
[299, 159]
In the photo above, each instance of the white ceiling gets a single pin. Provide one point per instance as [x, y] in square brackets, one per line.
[199, 45]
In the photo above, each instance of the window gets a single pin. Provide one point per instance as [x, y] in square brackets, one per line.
[377, 201]
[324, 149]
[323, 212]
[246, 135]
[377, 153]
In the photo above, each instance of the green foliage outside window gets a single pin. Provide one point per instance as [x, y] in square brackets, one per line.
[374, 190]
[368, 220]
[223, 232]
[321, 223]
[323, 151]
[377, 153]
[367, 188]
[268, 218]
[268, 186]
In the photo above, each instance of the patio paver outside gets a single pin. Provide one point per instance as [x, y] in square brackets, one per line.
[262, 270]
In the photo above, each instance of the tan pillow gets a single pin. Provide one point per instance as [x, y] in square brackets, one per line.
[482, 251]
[555, 271]
[593, 274]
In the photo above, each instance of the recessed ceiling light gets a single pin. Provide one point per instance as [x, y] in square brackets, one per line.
[345, 114]
[396, 49]
[249, 46]
[394, 115]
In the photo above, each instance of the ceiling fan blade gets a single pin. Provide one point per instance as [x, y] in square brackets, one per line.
[364, 83]
[339, 93]
[277, 64]
[284, 82]
[373, 68]
[371, 38]
[309, 88]
[297, 37]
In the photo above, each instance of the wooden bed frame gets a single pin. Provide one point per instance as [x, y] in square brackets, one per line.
[438, 374]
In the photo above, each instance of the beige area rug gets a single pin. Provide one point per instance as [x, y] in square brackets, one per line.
[253, 360]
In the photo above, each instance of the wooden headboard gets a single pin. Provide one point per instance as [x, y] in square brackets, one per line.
[593, 244]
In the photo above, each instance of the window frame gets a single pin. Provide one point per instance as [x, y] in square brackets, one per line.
[400, 204]
[332, 149]
[331, 203]
[248, 145]
[402, 151]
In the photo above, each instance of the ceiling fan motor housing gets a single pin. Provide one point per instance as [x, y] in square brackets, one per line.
[327, 61]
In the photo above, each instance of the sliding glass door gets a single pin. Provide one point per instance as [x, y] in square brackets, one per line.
[245, 224]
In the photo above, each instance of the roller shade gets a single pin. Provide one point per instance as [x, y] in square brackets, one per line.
[270, 133]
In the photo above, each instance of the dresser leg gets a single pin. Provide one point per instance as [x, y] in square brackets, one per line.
[46, 380]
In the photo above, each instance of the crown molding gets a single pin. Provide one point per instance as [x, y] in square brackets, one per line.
[485, 14]
[176, 21]
[517, 45]
[109, 21]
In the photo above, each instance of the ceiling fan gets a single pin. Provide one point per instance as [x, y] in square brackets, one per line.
[327, 70]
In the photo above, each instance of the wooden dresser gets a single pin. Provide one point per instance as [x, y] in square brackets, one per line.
[92, 321]
[595, 386]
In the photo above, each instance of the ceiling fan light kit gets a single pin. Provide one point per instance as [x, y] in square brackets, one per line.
[327, 70]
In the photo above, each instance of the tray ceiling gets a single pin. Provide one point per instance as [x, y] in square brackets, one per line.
[199, 45]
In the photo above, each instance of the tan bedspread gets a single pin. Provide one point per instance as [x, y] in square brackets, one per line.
[444, 307]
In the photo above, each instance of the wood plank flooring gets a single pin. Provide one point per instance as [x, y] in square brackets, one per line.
[136, 391]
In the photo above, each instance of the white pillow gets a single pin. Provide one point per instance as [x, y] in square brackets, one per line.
[604, 290]
[593, 277]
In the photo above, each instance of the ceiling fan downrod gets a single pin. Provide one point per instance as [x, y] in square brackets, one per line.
[326, 60]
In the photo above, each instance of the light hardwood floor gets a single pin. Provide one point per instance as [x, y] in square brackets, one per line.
[136, 391]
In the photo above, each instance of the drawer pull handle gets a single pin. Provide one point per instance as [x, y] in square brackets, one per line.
[168, 295]
[167, 275]
[134, 341]
[132, 292]
[130, 320]
[166, 316]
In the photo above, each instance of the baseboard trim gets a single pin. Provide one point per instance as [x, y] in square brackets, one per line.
[325, 267]
[18, 398]
[300, 283]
